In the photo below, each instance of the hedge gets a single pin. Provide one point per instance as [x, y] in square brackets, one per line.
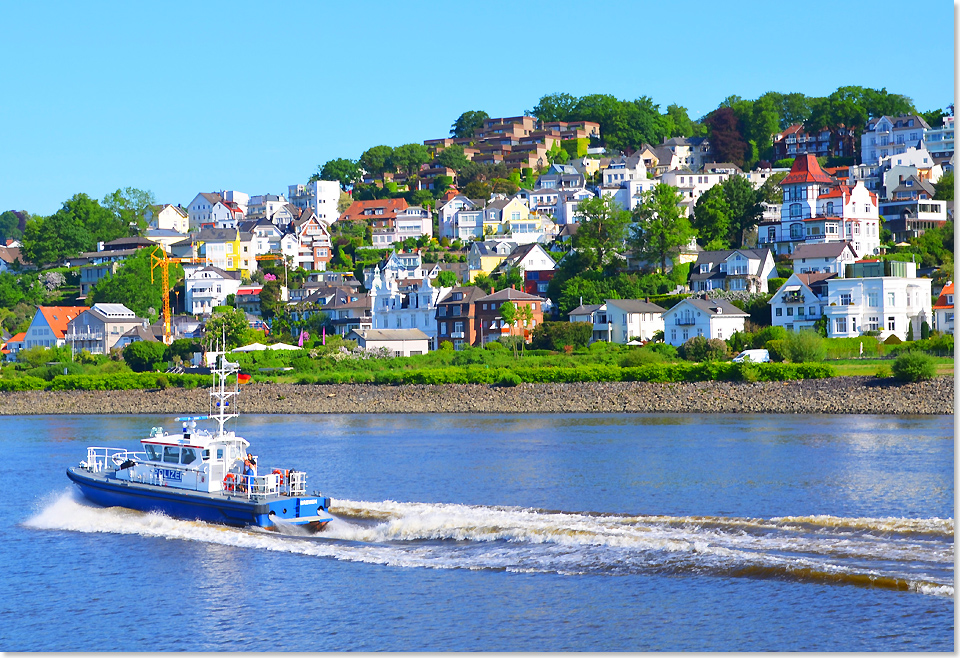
[126, 381]
[659, 372]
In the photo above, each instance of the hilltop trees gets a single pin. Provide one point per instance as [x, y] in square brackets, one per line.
[344, 170]
[602, 231]
[77, 227]
[468, 123]
[130, 206]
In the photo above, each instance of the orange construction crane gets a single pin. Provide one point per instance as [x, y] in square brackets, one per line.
[163, 262]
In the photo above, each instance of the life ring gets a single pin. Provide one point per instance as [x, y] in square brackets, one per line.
[229, 482]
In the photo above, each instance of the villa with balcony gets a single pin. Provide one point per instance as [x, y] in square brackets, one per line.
[710, 318]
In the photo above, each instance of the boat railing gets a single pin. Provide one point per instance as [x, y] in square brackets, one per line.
[100, 458]
[280, 483]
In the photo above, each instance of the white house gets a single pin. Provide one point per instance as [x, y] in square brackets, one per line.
[692, 185]
[448, 214]
[321, 196]
[889, 136]
[943, 310]
[406, 305]
[208, 286]
[881, 296]
[411, 222]
[567, 202]
[169, 217]
[402, 342]
[800, 301]
[710, 318]
[823, 257]
[595, 314]
[530, 257]
[733, 269]
[633, 318]
[99, 329]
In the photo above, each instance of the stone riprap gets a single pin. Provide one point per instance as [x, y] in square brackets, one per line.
[837, 395]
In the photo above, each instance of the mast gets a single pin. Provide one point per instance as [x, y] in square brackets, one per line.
[220, 393]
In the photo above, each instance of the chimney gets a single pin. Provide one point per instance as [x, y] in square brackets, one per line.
[492, 290]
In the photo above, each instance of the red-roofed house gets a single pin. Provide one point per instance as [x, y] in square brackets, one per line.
[943, 310]
[14, 345]
[49, 325]
[816, 208]
[379, 209]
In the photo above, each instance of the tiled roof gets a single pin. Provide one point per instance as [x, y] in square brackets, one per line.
[586, 309]
[806, 169]
[820, 250]
[59, 316]
[942, 299]
[635, 306]
[510, 294]
[715, 307]
[390, 208]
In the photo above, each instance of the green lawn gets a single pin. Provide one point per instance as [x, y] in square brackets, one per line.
[851, 367]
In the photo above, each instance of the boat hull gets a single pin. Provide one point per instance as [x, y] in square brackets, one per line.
[272, 512]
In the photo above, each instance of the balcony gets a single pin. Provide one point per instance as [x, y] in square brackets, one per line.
[685, 321]
[83, 335]
[456, 334]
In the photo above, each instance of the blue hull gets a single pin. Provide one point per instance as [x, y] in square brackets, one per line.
[193, 505]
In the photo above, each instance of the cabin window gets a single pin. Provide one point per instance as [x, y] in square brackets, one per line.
[188, 456]
[220, 454]
[205, 455]
[153, 452]
[171, 454]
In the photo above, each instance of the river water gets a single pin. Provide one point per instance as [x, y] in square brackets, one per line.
[504, 532]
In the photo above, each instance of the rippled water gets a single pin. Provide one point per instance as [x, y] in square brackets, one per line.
[624, 532]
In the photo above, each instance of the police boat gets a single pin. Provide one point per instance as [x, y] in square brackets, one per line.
[201, 475]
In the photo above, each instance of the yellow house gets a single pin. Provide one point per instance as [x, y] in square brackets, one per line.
[485, 257]
[229, 249]
[502, 211]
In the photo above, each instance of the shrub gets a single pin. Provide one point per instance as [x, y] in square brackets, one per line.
[446, 346]
[716, 349]
[883, 371]
[914, 367]
[493, 346]
[143, 356]
[510, 379]
[640, 356]
[694, 349]
[25, 383]
[892, 339]
[666, 350]
[554, 335]
[765, 335]
[805, 346]
[777, 350]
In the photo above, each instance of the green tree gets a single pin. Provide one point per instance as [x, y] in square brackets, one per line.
[230, 325]
[144, 356]
[660, 229]
[602, 231]
[453, 157]
[477, 190]
[745, 209]
[270, 298]
[130, 206]
[943, 188]
[468, 123]
[680, 124]
[376, 160]
[10, 292]
[408, 158]
[76, 227]
[344, 170]
[711, 219]
[555, 107]
[132, 285]
[446, 279]
[10, 223]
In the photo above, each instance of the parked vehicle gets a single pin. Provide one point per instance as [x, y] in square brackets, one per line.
[754, 356]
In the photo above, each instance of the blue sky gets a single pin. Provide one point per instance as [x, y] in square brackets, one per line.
[183, 97]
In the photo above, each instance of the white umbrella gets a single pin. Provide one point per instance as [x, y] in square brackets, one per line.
[252, 347]
[282, 346]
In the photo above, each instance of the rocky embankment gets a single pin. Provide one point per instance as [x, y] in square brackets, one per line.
[844, 395]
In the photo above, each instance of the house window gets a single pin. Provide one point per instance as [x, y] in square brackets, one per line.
[891, 299]
[841, 324]
[789, 311]
[845, 299]
[891, 323]
[873, 323]
[458, 327]
[872, 299]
